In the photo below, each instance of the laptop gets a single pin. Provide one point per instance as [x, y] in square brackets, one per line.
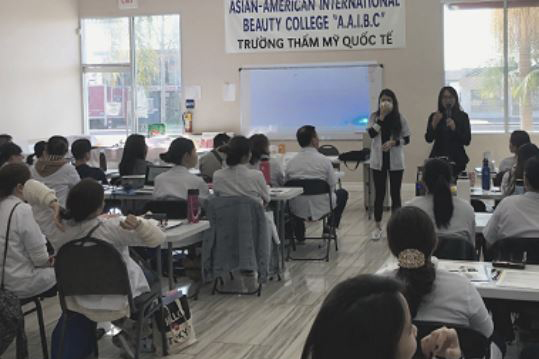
[152, 172]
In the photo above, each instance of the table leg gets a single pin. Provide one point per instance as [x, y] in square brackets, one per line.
[170, 267]
[282, 233]
[159, 265]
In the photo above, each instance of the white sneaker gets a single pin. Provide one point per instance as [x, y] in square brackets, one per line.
[377, 234]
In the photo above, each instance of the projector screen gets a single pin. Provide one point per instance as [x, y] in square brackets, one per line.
[336, 98]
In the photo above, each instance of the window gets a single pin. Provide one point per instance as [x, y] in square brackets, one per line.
[131, 74]
[476, 66]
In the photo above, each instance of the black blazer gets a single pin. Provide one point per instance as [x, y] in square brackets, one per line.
[449, 143]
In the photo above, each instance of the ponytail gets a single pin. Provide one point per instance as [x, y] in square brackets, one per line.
[437, 177]
[411, 229]
[83, 200]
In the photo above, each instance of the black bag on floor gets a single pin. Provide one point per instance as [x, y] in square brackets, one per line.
[79, 340]
[355, 156]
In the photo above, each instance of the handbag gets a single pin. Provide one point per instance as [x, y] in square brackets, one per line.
[178, 324]
[11, 316]
[355, 156]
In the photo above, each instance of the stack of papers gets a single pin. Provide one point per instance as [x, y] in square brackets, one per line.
[475, 272]
[519, 279]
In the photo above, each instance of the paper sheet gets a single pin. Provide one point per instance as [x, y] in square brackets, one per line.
[229, 92]
[192, 92]
[519, 279]
[475, 272]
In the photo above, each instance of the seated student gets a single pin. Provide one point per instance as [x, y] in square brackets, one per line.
[237, 179]
[516, 216]
[368, 317]
[133, 160]
[214, 160]
[517, 139]
[310, 164]
[512, 182]
[10, 153]
[28, 269]
[433, 294]
[5, 138]
[84, 205]
[260, 151]
[81, 149]
[39, 149]
[54, 170]
[178, 180]
[451, 215]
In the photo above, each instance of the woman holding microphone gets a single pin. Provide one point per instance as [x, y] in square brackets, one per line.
[389, 132]
[449, 129]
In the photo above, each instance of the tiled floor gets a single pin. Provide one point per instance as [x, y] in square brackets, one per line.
[275, 325]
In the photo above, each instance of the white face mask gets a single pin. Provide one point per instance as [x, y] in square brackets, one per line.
[388, 105]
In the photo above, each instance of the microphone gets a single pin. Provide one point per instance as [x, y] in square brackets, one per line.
[448, 111]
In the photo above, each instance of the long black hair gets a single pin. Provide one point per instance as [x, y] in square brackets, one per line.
[7, 150]
[177, 150]
[393, 118]
[453, 92]
[11, 175]
[362, 317]
[524, 153]
[135, 149]
[412, 228]
[437, 176]
[236, 149]
[259, 147]
[83, 200]
[39, 148]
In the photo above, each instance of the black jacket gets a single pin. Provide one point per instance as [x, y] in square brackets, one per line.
[449, 143]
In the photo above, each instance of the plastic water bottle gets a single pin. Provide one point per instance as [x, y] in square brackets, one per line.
[485, 175]
[102, 161]
[193, 206]
[265, 168]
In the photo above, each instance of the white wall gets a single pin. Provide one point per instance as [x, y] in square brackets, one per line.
[39, 69]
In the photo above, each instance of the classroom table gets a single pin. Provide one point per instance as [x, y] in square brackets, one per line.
[493, 194]
[279, 197]
[491, 288]
[481, 220]
[185, 235]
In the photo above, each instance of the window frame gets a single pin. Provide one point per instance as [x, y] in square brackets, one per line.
[132, 121]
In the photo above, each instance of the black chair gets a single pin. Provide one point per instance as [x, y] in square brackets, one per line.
[313, 187]
[91, 266]
[174, 209]
[454, 248]
[472, 343]
[512, 249]
[39, 311]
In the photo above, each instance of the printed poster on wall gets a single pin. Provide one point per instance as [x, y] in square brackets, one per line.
[313, 25]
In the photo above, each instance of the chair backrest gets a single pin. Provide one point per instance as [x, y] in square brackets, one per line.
[472, 343]
[311, 187]
[455, 248]
[90, 266]
[512, 249]
[328, 150]
[174, 209]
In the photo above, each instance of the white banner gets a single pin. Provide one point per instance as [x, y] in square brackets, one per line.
[313, 25]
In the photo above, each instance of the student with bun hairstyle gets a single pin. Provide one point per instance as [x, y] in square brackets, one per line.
[237, 179]
[54, 170]
[517, 139]
[367, 317]
[28, 269]
[452, 216]
[433, 294]
[39, 150]
[178, 180]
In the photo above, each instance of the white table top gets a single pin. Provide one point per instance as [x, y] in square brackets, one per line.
[481, 220]
[478, 193]
[186, 234]
[490, 289]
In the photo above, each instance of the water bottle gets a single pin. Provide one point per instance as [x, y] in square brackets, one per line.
[265, 168]
[419, 189]
[102, 161]
[485, 175]
[193, 206]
